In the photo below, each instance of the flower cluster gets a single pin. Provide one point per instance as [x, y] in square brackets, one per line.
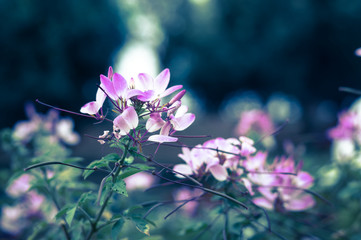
[140, 99]
[281, 185]
[59, 129]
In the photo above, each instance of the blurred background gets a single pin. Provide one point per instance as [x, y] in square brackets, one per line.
[289, 57]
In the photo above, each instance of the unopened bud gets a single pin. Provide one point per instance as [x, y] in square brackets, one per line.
[177, 97]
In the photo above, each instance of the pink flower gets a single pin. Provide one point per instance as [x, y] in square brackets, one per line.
[139, 180]
[117, 88]
[126, 121]
[20, 186]
[283, 192]
[178, 122]
[154, 88]
[346, 127]
[256, 120]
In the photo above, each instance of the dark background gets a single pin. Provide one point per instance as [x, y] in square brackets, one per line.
[52, 50]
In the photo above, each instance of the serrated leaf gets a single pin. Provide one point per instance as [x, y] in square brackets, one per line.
[117, 227]
[62, 212]
[120, 187]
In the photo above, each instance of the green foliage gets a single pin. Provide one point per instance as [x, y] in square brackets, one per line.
[133, 169]
[119, 186]
[117, 228]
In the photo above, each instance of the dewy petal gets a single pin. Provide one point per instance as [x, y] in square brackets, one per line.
[120, 85]
[181, 123]
[184, 169]
[90, 108]
[162, 138]
[154, 123]
[161, 81]
[170, 90]
[145, 82]
[131, 116]
[219, 172]
[107, 86]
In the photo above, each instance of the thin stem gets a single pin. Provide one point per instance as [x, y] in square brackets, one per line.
[106, 201]
[86, 215]
[57, 205]
[169, 169]
[349, 90]
[61, 163]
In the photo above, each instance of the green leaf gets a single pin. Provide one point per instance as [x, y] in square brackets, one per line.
[70, 214]
[84, 197]
[117, 227]
[97, 164]
[119, 187]
[129, 160]
[134, 152]
[141, 225]
[112, 157]
[131, 171]
[105, 191]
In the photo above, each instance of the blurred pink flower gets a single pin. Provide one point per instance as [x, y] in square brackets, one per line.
[187, 194]
[256, 120]
[20, 185]
[140, 181]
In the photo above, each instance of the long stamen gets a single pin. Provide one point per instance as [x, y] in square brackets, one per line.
[63, 110]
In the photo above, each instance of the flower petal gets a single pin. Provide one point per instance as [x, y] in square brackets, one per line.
[107, 86]
[120, 85]
[148, 95]
[145, 82]
[162, 138]
[90, 108]
[181, 123]
[161, 81]
[154, 123]
[184, 169]
[304, 202]
[170, 90]
[263, 202]
[121, 124]
[219, 172]
[131, 116]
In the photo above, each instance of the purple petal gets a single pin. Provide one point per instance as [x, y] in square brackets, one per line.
[181, 123]
[165, 129]
[100, 98]
[162, 138]
[184, 169]
[107, 86]
[145, 82]
[119, 84]
[161, 81]
[132, 92]
[147, 96]
[170, 90]
[131, 117]
[263, 202]
[121, 124]
[219, 172]
[90, 108]
[110, 72]
[304, 202]
[154, 123]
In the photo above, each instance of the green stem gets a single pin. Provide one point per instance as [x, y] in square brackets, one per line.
[94, 228]
[56, 203]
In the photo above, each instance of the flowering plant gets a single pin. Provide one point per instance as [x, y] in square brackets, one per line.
[229, 175]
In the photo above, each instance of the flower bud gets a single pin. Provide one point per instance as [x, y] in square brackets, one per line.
[177, 97]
